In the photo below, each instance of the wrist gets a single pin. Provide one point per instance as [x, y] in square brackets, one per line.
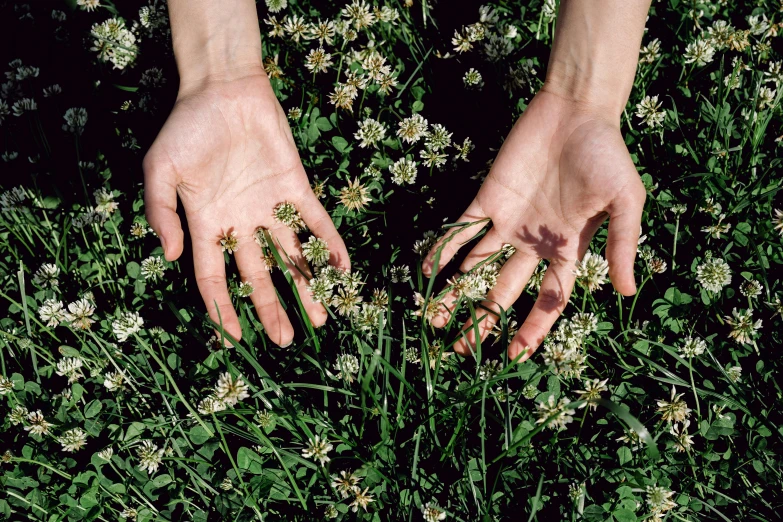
[582, 85]
[215, 41]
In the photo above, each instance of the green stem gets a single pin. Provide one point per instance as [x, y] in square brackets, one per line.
[633, 305]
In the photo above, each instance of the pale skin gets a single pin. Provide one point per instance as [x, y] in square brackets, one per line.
[227, 152]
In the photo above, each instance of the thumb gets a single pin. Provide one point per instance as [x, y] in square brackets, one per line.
[160, 202]
[625, 222]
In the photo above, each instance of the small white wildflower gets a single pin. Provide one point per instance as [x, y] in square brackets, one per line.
[230, 390]
[692, 347]
[70, 367]
[317, 450]
[150, 457]
[73, 440]
[403, 172]
[52, 312]
[555, 415]
[127, 324]
[46, 276]
[591, 272]
[152, 268]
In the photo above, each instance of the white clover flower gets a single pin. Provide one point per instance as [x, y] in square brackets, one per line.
[432, 513]
[127, 324]
[777, 221]
[683, 441]
[758, 24]
[152, 268]
[150, 457]
[359, 14]
[347, 367]
[73, 440]
[295, 26]
[400, 274]
[346, 301]
[423, 246]
[751, 288]
[432, 158]
[24, 105]
[323, 31]
[12, 199]
[473, 78]
[331, 512]
[700, 52]
[650, 52]
[52, 312]
[75, 120]
[412, 129]
[229, 242]
[713, 274]
[591, 272]
[648, 111]
[355, 196]
[80, 313]
[734, 373]
[317, 450]
[114, 381]
[321, 290]
[316, 251]
[104, 202]
[565, 360]
[361, 500]
[389, 15]
[37, 423]
[211, 405]
[583, 324]
[592, 392]
[114, 43]
[4, 112]
[70, 367]
[230, 390]
[692, 347]
[743, 328]
[675, 409]
[766, 97]
[287, 214]
[490, 369]
[659, 500]
[438, 138]
[370, 132]
[554, 415]
[346, 483]
[244, 289]
[6, 385]
[318, 60]
[275, 6]
[106, 453]
[403, 172]
[88, 5]
[47, 275]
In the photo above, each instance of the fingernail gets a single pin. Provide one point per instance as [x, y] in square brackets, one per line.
[287, 345]
[163, 244]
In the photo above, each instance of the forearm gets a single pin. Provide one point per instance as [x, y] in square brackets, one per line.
[595, 52]
[214, 40]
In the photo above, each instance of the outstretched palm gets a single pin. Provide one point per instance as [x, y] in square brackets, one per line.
[561, 172]
[227, 150]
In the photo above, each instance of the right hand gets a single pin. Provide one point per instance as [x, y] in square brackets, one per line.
[227, 151]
